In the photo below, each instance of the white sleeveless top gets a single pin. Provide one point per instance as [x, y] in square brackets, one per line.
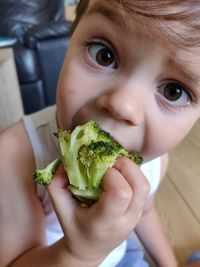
[40, 127]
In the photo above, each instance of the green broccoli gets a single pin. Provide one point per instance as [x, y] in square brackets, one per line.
[45, 176]
[86, 154]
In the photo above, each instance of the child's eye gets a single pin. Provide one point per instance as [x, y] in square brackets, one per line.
[102, 55]
[175, 93]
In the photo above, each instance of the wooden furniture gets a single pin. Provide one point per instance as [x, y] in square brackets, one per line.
[10, 99]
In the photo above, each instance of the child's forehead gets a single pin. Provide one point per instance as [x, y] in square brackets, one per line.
[168, 18]
[111, 9]
[117, 13]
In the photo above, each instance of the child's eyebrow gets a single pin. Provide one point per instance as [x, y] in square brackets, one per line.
[186, 71]
[113, 16]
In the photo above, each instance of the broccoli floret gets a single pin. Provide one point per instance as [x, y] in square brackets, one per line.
[70, 145]
[96, 158]
[135, 157]
[45, 176]
[86, 154]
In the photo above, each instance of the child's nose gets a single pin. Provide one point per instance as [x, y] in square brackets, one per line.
[122, 105]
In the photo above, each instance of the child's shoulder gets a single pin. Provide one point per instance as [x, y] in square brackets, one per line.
[13, 138]
[15, 150]
[19, 205]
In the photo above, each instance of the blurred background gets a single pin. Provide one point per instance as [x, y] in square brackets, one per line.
[37, 32]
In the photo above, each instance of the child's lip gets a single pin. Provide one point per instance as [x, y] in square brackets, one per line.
[114, 137]
[117, 139]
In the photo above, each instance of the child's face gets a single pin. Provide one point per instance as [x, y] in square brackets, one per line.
[134, 88]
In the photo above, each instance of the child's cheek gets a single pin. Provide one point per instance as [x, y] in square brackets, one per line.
[165, 136]
[75, 89]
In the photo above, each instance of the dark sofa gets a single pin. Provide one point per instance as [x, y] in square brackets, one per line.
[42, 35]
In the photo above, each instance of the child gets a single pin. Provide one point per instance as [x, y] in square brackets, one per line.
[133, 66]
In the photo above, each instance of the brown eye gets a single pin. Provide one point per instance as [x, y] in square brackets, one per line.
[175, 93]
[102, 55]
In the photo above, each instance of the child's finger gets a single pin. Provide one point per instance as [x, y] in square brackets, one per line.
[62, 199]
[116, 195]
[137, 182]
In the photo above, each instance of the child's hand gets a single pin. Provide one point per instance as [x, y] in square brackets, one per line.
[92, 232]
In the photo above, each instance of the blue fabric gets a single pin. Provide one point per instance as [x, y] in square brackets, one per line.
[194, 257]
[134, 256]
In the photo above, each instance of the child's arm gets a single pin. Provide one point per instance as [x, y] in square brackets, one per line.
[90, 233]
[150, 232]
